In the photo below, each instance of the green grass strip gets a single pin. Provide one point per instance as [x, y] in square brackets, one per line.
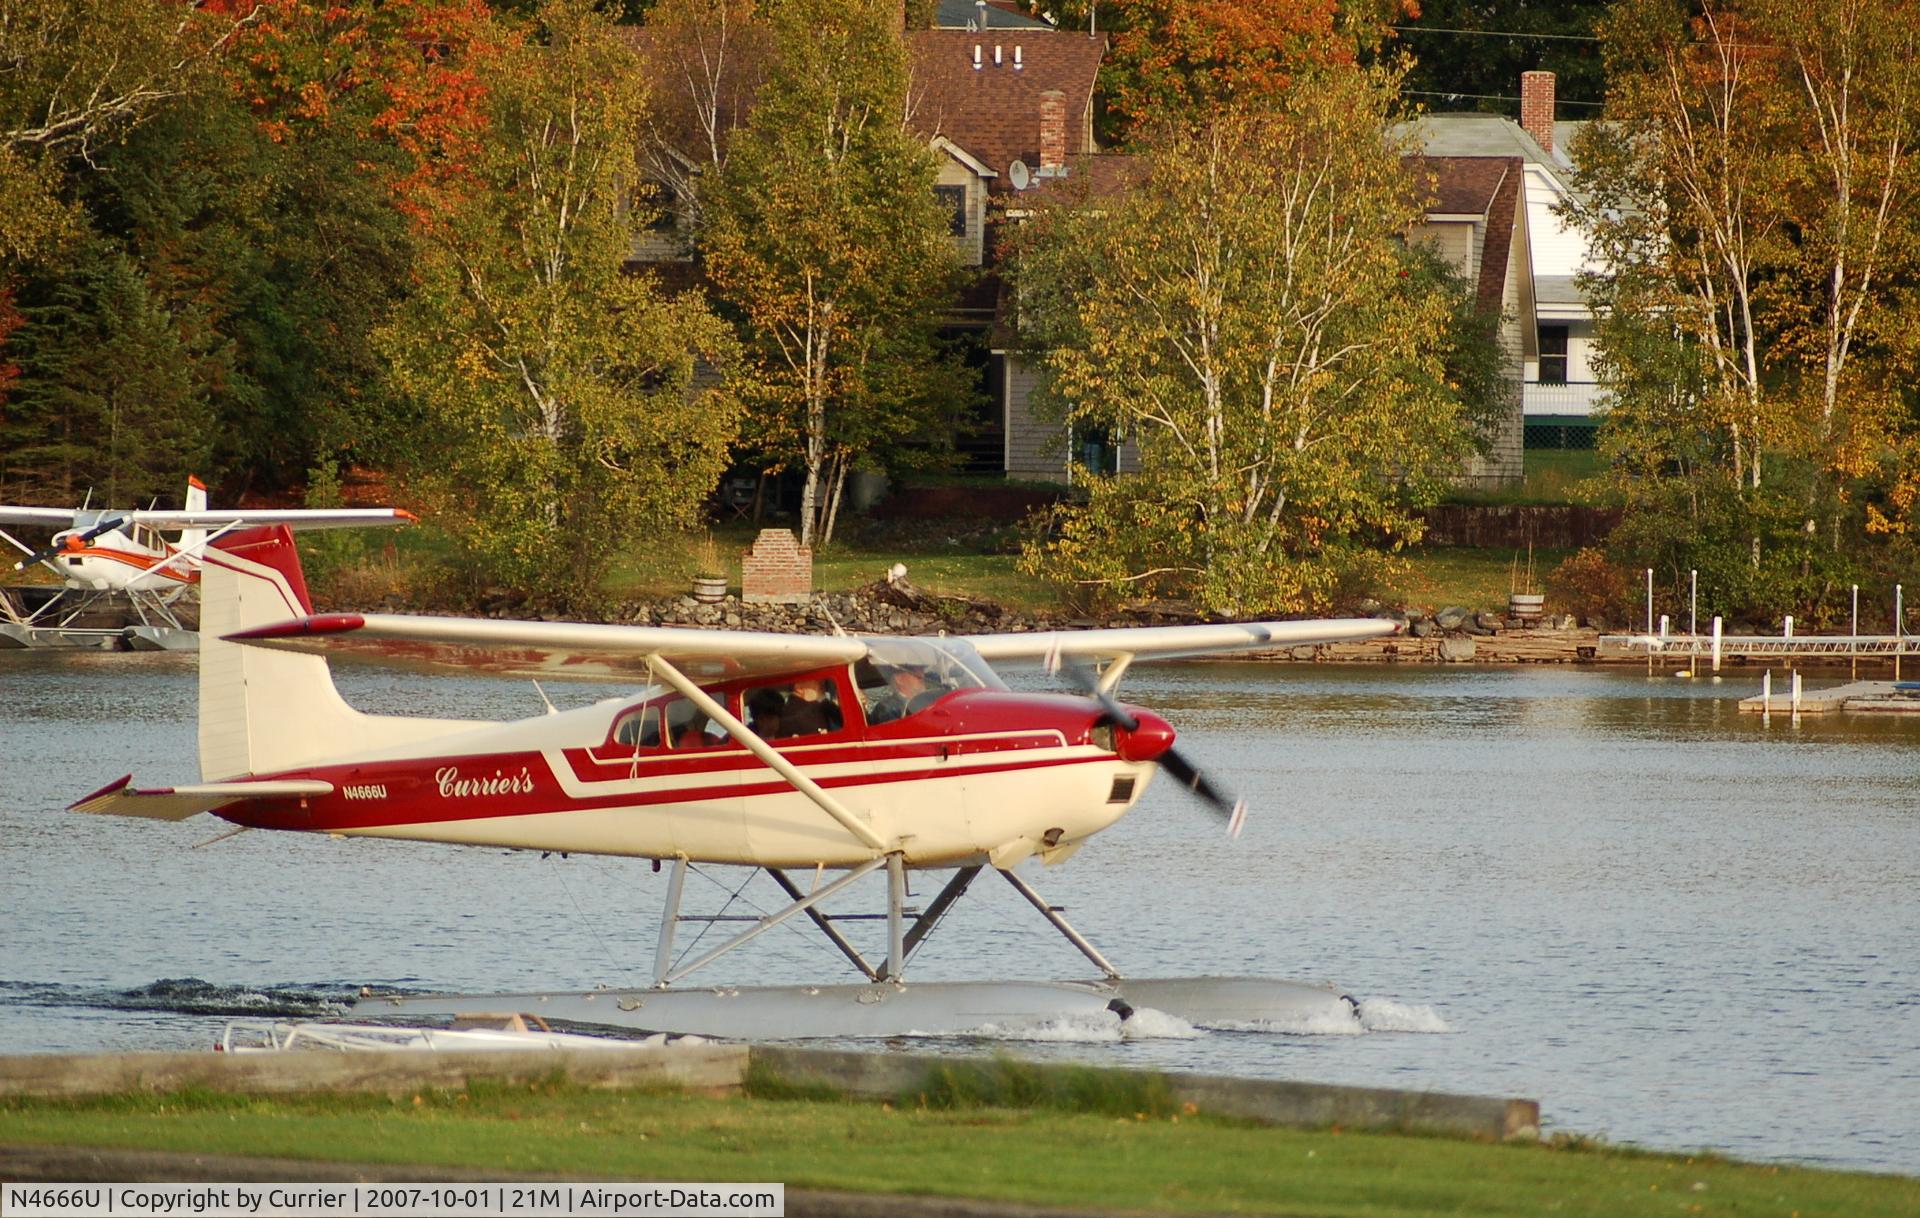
[962, 1141]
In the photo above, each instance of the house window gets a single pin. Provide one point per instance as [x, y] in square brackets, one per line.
[657, 201]
[954, 200]
[1553, 355]
[1096, 450]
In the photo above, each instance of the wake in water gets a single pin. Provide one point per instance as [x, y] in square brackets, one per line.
[1375, 1015]
[185, 996]
[1386, 1015]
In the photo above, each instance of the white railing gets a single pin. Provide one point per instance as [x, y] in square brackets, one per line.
[1577, 397]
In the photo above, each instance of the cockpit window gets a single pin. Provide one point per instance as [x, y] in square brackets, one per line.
[901, 677]
[669, 722]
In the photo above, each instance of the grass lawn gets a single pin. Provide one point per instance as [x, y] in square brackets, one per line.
[1439, 576]
[663, 565]
[1168, 1163]
[1549, 475]
[971, 563]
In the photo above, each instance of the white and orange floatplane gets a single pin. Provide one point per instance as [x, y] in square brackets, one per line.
[821, 760]
[98, 553]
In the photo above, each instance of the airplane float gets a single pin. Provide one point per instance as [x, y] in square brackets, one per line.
[97, 553]
[821, 760]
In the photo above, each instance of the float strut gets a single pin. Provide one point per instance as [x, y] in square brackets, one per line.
[663, 955]
[825, 924]
[1060, 924]
[774, 919]
[896, 907]
[924, 924]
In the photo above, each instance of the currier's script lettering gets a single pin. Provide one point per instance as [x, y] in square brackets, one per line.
[453, 786]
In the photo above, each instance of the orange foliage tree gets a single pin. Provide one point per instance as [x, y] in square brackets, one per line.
[1184, 59]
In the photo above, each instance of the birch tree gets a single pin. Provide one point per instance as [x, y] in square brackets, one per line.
[1249, 317]
[558, 407]
[822, 234]
[1751, 194]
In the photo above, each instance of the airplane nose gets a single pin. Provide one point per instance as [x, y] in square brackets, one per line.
[1150, 737]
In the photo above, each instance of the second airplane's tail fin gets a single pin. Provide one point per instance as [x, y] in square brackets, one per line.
[196, 502]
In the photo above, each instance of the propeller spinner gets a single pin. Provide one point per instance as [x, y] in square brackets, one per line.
[1171, 759]
[66, 541]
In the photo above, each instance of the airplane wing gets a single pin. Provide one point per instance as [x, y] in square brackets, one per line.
[37, 517]
[296, 519]
[567, 651]
[1168, 642]
[122, 798]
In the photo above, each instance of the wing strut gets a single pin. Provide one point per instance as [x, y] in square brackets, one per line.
[765, 752]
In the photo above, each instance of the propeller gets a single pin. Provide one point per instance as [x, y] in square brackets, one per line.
[1173, 761]
[105, 526]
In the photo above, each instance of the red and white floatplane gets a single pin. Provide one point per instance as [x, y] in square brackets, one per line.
[820, 759]
[98, 553]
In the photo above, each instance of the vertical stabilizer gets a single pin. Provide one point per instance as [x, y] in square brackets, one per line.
[260, 711]
[196, 502]
[265, 711]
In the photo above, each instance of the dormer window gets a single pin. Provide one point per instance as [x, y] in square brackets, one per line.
[657, 200]
[954, 200]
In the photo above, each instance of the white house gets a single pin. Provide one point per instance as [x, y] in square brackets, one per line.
[1558, 390]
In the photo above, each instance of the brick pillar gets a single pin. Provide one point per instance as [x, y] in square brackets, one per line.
[778, 570]
[1536, 107]
[1053, 129]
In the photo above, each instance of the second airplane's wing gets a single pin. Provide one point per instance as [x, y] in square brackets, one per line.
[1169, 642]
[298, 519]
[568, 651]
[37, 517]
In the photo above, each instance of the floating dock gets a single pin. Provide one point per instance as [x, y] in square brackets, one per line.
[1884, 697]
[47, 615]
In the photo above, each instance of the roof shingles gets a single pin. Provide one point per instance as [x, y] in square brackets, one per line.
[993, 111]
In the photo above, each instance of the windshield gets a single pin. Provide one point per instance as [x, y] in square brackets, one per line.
[901, 677]
[949, 663]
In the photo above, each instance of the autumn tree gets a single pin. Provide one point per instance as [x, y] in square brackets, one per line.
[242, 168]
[707, 60]
[1751, 196]
[823, 236]
[1249, 317]
[560, 404]
[1184, 59]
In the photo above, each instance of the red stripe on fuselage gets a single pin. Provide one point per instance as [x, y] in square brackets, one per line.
[142, 561]
[608, 762]
[412, 791]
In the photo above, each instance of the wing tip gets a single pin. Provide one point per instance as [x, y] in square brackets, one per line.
[313, 624]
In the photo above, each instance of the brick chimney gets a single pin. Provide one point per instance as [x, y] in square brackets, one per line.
[1053, 129]
[1536, 107]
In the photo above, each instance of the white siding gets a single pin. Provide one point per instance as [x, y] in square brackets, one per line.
[1036, 447]
[972, 243]
[1453, 240]
[1505, 462]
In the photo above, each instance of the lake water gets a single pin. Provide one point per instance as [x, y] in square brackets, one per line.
[1673, 924]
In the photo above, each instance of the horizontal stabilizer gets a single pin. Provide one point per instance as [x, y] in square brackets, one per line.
[122, 798]
[1168, 642]
[572, 651]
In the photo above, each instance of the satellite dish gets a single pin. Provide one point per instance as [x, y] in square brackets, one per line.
[1019, 175]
